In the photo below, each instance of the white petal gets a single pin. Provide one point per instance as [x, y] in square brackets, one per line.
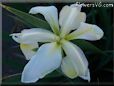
[50, 13]
[27, 50]
[86, 76]
[87, 32]
[16, 37]
[77, 57]
[34, 35]
[70, 18]
[68, 68]
[78, 6]
[47, 59]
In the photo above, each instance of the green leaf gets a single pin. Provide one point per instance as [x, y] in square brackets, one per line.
[12, 79]
[104, 58]
[27, 18]
[54, 74]
[21, 21]
[87, 46]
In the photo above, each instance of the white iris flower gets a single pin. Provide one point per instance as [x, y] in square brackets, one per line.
[49, 55]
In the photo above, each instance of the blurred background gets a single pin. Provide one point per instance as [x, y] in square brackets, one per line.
[101, 66]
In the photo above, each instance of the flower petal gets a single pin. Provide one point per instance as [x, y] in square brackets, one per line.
[70, 18]
[50, 13]
[77, 57]
[27, 50]
[87, 32]
[47, 59]
[34, 35]
[86, 76]
[68, 68]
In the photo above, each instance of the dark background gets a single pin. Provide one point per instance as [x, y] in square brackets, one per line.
[14, 61]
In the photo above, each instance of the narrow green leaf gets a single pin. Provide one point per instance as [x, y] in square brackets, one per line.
[36, 22]
[21, 21]
[54, 74]
[87, 46]
[12, 79]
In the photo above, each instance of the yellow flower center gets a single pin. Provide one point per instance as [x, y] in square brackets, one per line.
[60, 40]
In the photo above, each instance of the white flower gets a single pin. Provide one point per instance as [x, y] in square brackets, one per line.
[49, 56]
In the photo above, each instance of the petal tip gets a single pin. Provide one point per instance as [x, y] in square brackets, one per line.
[27, 79]
[99, 32]
[33, 10]
[86, 76]
[16, 37]
[78, 6]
